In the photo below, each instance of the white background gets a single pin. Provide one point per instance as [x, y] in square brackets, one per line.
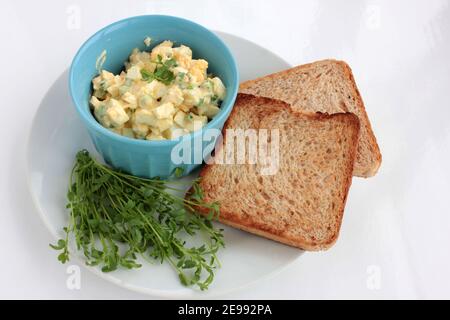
[396, 245]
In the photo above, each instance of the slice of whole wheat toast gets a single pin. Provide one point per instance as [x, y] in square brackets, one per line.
[325, 86]
[301, 204]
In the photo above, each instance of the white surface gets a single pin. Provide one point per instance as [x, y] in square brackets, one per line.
[57, 134]
[395, 235]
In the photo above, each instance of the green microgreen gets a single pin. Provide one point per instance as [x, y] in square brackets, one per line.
[178, 172]
[116, 218]
[162, 71]
[200, 102]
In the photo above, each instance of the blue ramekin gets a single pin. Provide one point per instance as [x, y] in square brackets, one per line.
[147, 158]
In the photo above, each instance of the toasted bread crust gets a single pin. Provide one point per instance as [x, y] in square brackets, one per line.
[371, 136]
[304, 67]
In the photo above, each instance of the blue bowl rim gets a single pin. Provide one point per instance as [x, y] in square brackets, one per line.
[95, 125]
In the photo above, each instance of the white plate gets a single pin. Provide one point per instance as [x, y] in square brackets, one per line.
[57, 134]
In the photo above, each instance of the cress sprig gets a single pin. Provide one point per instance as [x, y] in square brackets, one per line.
[162, 71]
[116, 217]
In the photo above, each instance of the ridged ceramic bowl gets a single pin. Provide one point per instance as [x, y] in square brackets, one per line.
[148, 158]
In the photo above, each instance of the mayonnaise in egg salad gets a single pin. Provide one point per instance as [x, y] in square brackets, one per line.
[161, 94]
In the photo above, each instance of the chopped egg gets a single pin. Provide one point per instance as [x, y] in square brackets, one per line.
[161, 94]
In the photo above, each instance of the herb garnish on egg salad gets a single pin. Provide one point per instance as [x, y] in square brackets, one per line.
[161, 94]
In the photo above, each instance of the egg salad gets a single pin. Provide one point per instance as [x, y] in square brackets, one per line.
[161, 94]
